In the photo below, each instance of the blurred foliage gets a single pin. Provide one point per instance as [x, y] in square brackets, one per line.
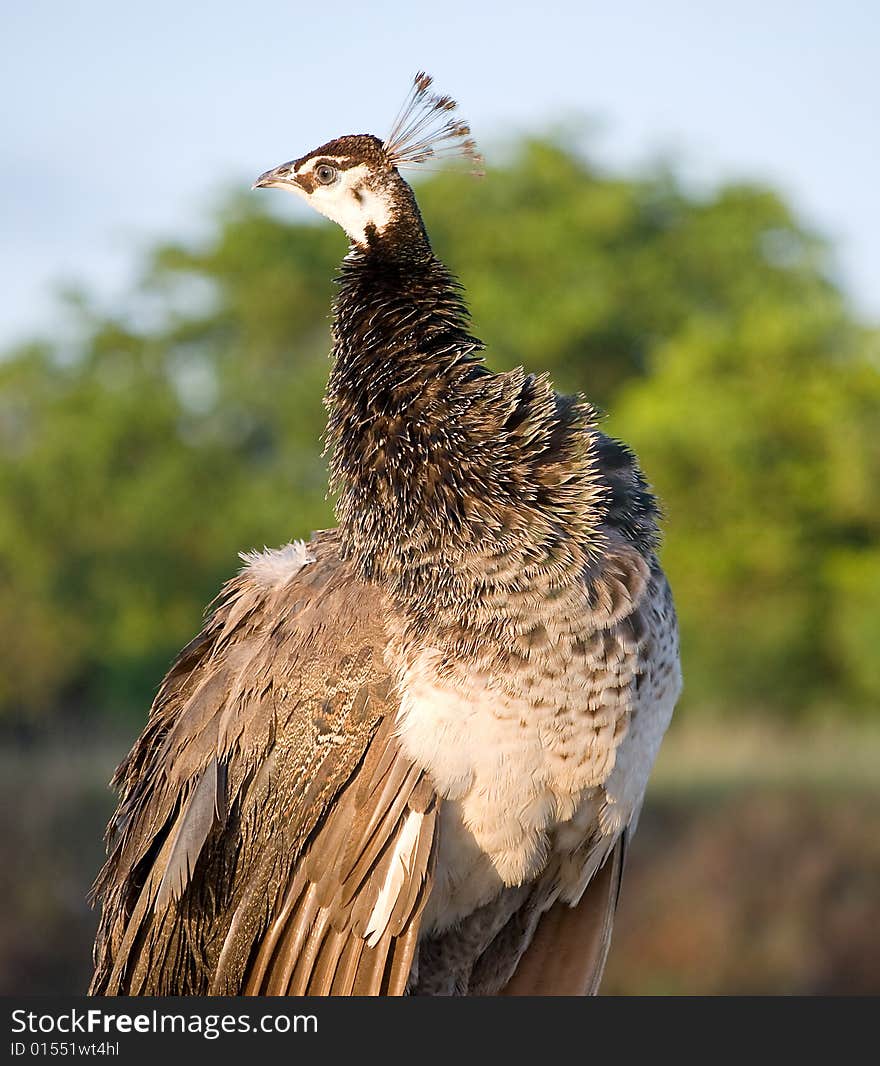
[139, 455]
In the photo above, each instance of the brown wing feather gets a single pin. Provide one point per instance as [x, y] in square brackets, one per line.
[260, 733]
[349, 920]
[570, 945]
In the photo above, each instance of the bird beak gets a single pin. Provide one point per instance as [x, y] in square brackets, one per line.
[279, 176]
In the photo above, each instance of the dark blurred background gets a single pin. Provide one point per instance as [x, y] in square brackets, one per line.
[148, 435]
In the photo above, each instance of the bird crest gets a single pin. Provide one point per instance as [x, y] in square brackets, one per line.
[426, 130]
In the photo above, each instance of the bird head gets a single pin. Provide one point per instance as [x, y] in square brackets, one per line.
[355, 180]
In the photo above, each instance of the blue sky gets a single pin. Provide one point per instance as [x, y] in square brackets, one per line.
[124, 122]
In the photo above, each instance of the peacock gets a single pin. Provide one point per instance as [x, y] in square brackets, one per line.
[406, 756]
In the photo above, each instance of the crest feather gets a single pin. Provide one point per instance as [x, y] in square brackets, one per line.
[425, 129]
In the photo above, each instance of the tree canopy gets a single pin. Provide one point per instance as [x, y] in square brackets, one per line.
[142, 452]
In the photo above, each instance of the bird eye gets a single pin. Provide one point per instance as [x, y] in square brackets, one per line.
[325, 174]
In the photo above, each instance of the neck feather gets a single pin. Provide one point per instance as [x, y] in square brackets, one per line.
[450, 478]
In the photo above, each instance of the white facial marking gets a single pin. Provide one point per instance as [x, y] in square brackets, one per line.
[347, 201]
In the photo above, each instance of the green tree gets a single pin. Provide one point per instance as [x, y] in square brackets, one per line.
[138, 456]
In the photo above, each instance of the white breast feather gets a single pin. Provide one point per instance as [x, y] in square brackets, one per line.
[523, 777]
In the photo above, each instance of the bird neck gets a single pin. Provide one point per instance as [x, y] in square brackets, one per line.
[401, 354]
[440, 465]
[403, 238]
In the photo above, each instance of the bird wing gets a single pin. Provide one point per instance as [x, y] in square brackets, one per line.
[270, 836]
[348, 922]
[569, 948]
